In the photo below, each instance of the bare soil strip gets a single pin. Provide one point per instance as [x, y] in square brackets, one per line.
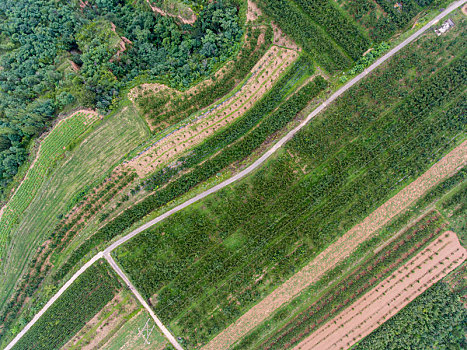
[390, 296]
[341, 249]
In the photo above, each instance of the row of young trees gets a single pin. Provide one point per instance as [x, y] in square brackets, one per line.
[338, 25]
[40, 37]
[314, 39]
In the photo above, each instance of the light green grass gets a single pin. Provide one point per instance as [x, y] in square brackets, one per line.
[81, 167]
[52, 148]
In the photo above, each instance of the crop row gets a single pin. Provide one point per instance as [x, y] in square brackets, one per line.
[77, 305]
[246, 247]
[314, 40]
[183, 106]
[338, 25]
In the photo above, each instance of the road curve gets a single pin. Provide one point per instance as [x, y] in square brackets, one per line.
[106, 253]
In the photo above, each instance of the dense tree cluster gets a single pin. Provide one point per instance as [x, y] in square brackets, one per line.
[55, 53]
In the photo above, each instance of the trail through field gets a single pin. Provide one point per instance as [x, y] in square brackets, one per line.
[342, 248]
[233, 333]
[390, 296]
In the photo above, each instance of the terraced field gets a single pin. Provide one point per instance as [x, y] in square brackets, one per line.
[205, 123]
[216, 273]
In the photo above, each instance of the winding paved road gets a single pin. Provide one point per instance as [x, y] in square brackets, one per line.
[242, 174]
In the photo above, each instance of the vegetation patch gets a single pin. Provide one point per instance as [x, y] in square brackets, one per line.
[52, 148]
[288, 217]
[82, 300]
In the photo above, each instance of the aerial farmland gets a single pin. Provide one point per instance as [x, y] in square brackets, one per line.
[233, 174]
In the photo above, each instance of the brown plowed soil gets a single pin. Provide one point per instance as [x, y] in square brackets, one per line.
[341, 249]
[390, 296]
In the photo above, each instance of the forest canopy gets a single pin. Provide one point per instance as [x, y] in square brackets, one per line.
[55, 55]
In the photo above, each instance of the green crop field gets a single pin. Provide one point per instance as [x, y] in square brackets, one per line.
[86, 297]
[205, 266]
[320, 302]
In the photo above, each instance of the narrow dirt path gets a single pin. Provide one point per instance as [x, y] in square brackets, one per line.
[390, 296]
[143, 302]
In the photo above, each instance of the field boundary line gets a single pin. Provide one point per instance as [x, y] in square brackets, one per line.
[455, 5]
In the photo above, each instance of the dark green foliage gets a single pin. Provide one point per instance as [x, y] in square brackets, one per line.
[43, 35]
[381, 26]
[342, 30]
[248, 56]
[306, 33]
[434, 320]
[81, 301]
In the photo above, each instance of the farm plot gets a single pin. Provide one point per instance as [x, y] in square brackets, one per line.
[391, 295]
[382, 18]
[85, 298]
[191, 133]
[52, 148]
[221, 257]
[309, 35]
